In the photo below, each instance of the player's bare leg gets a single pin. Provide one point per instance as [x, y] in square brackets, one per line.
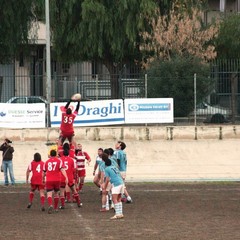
[118, 206]
[72, 141]
[50, 202]
[81, 183]
[61, 140]
[62, 197]
[105, 203]
[96, 180]
[68, 194]
[76, 195]
[42, 198]
[31, 196]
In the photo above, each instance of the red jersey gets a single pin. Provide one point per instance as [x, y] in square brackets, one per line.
[37, 172]
[71, 151]
[80, 159]
[53, 167]
[70, 168]
[67, 122]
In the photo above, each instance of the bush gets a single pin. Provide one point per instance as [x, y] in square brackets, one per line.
[175, 79]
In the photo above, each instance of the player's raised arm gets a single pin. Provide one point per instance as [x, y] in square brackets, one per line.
[77, 107]
[68, 103]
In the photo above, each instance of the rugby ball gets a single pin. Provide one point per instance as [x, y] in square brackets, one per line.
[76, 97]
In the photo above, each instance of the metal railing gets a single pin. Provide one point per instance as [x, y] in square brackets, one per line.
[224, 94]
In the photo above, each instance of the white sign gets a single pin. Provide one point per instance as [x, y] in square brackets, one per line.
[15, 115]
[92, 113]
[149, 110]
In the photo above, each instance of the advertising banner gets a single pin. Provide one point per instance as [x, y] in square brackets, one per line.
[91, 113]
[149, 110]
[22, 115]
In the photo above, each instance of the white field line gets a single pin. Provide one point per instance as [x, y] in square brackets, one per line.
[187, 190]
[84, 224]
[226, 189]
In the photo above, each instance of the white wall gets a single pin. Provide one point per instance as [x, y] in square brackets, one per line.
[151, 156]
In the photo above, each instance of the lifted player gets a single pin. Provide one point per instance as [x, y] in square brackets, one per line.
[66, 128]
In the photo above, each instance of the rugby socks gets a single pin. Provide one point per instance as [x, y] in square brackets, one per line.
[68, 196]
[73, 198]
[56, 200]
[80, 186]
[77, 198]
[129, 198]
[118, 208]
[62, 200]
[107, 203]
[31, 196]
[42, 200]
[49, 199]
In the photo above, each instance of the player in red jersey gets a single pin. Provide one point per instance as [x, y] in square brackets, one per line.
[66, 128]
[69, 147]
[71, 150]
[70, 168]
[36, 168]
[80, 157]
[52, 171]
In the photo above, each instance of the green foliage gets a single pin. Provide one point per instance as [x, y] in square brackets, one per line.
[91, 29]
[16, 18]
[228, 41]
[175, 79]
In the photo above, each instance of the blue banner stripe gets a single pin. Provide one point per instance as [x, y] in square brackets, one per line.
[93, 121]
[141, 107]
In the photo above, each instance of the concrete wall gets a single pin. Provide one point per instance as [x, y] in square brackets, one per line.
[154, 153]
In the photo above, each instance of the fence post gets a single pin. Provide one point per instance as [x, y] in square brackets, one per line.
[1, 83]
[64, 87]
[195, 99]
[145, 85]
[96, 86]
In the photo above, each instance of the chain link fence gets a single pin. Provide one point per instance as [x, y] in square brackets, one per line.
[220, 105]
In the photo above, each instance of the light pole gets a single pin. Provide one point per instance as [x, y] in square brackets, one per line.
[195, 104]
[48, 62]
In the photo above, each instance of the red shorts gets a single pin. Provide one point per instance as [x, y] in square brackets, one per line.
[67, 134]
[82, 173]
[37, 187]
[50, 186]
[62, 184]
[70, 183]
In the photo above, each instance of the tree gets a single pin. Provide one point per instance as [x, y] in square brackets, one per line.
[228, 40]
[228, 48]
[183, 45]
[106, 31]
[174, 79]
[16, 18]
[183, 33]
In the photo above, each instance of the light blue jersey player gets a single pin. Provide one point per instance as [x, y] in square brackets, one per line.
[120, 154]
[121, 157]
[113, 176]
[106, 197]
[113, 157]
[97, 164]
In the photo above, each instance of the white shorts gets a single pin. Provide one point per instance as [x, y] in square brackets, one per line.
[118, 190]
[109, 187]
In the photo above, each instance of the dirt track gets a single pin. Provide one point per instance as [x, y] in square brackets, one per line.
[166, 211]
